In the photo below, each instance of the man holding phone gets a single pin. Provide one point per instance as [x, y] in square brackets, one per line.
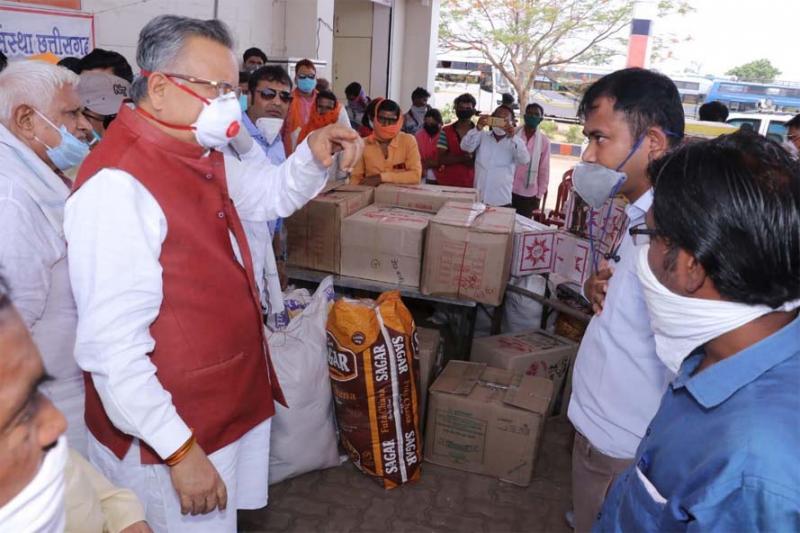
[499, 152]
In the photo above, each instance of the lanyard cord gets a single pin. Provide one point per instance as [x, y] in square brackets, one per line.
[604, 230]
[614, 192]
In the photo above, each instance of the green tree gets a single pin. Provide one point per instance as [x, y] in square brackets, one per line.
[761, 70]
[520, 38]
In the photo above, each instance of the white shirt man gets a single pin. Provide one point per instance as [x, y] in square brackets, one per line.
[157, 250]
[496, 160]
[33, 252]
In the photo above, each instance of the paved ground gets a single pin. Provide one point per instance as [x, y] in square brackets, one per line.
[343, 500]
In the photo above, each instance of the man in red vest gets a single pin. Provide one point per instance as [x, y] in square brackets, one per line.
[179, 385]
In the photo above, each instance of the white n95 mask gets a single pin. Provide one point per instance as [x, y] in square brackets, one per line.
[682, 324]
[595, 183]
[218, 122]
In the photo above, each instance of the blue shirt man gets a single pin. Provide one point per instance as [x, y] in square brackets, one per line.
[721, 454]
[269, 91]
[721, 278]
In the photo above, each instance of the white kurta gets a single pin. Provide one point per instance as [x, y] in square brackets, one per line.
[33, 258]
[115, 229]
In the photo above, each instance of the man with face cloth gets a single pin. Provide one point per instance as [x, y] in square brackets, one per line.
[719, 261]
[180, 386]
[631, 117]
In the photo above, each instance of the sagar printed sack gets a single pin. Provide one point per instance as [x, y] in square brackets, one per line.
[371, 359]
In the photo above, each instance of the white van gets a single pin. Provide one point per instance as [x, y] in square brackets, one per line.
[768, 125]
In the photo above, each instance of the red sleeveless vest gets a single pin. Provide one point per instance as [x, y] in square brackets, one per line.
[459, 175]
[210, 349]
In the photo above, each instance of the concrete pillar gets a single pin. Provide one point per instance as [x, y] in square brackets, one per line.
[419, 46]
[639, 44]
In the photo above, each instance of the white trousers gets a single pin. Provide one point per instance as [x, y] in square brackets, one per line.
[243, 466]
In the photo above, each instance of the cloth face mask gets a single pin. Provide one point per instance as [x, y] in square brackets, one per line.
[40, 505]
[681, 324]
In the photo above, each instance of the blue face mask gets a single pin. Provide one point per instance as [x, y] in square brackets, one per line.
[306, 85]
[70, 152]
[243, 102]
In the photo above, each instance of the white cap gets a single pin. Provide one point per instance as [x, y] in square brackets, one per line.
[102, 93]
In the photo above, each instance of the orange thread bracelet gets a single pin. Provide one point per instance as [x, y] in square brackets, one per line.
[181, 452]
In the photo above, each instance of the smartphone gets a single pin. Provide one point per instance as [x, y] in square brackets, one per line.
[496, 122]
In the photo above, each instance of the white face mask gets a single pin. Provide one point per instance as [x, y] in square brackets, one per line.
[218, 122]
[500, 132]
[681, 324]
[269, 127]
[40, 505]
[596, 183]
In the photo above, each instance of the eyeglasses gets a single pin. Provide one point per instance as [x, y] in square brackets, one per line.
[222, 87]
[641, 234]
[269, 94]
[794, 137]
[387, 121]
[306, 76]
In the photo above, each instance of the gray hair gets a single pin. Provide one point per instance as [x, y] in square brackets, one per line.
[32, 83]
[161, 42]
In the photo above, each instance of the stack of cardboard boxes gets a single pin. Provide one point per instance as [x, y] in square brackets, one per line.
[315, 230]
[434, 238]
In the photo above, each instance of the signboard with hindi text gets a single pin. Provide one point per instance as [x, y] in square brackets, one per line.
[26, 32]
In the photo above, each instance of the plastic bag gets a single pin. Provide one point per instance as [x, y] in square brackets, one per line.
[303, 437]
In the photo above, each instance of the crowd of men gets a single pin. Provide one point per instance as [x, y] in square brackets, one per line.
[141, 243]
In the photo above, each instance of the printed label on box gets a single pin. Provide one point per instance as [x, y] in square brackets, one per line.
[460, 436]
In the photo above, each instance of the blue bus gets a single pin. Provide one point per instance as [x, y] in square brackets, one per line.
[778, 97]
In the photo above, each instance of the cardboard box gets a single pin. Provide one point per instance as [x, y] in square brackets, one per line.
[534, 353]
[314, 231]
[534, 247]
[430, 355]
[423, 197]
[486, 420]
[607, 224]
[468, 252]
[572, 258]
[384, 243]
